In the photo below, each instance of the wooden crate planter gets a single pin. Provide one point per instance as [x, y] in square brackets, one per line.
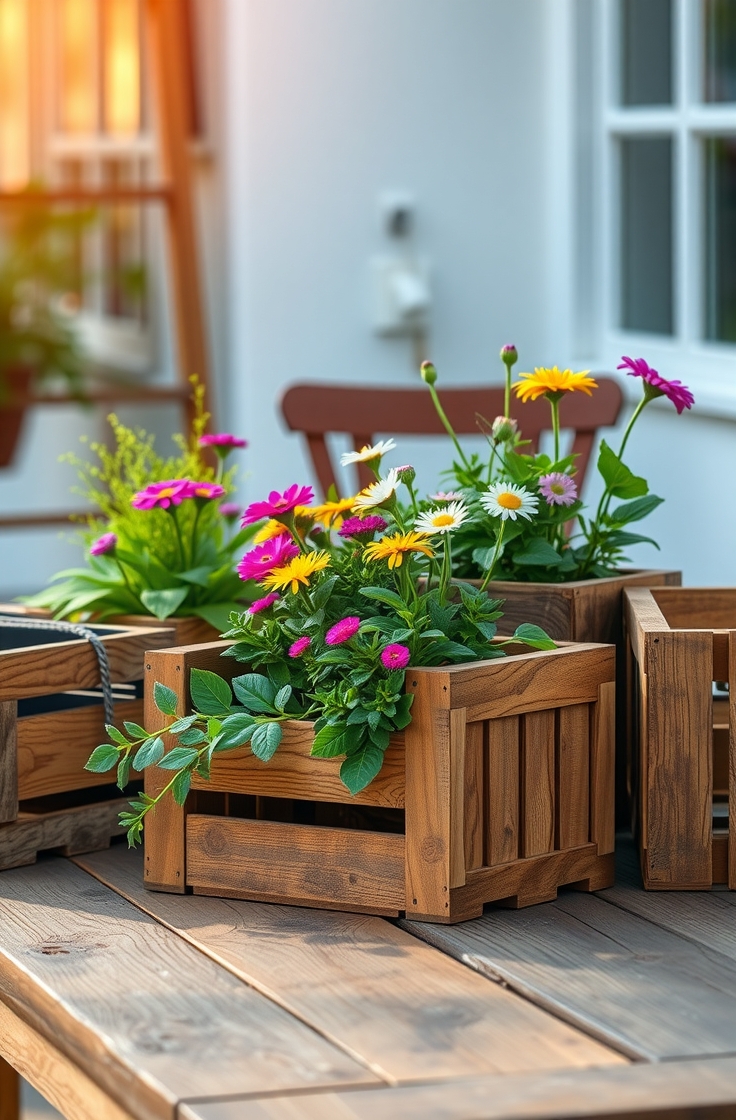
[184, 631]
[681, 640]
[504, 779]
[51, 719]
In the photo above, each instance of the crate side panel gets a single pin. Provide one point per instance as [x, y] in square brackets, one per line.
[538, 783]
[503, 764]
[8, 761]
[474, 798]
[573, 776]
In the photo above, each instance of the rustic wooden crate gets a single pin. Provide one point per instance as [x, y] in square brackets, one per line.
[501, 788]
[680, 738]
[185, 631]
[47, 798]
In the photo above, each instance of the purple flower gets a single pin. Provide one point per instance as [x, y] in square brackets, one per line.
[279, 504]
[103, 544]
[297, 648]
[558, 489]
[395, 656]
[207, 490]
[675, 391]
[342, 631]
[230, 510]
[362, 526]
[267, 556]
[264, 604]
[222, 441]
[162, 494]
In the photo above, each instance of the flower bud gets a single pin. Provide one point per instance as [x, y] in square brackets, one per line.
[428, 372]
[407, 474]
[509, 355]
[504, 429]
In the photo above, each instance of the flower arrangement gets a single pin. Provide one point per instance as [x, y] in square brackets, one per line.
[520, 507]
[164, 542]
[353, 592]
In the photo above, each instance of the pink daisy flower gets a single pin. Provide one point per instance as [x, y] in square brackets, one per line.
[675, 391]
[222, 440]
[103, 544]
[264, 604]
[267, 556]
[296, 649]
[206, 490]
[450, 496]
[342, 631]
[161, 495]
[231, 510]
[558, 489]
[395, 656]
[278, 504]
[362, 526]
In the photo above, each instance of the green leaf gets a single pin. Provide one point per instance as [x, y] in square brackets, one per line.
[115, 735]
[255, 692]
[534, 636]
[265, 741]
[193, 737]
[538, 553]
[323, 592]
[199, 576]
[102, 758]
[178, 758]
[617, 476]
[149, 754]
[217, 614]
[164, 603]
[211, 695]
[181, 786]
[333, 740]
[282, 697]
[124, 771]
[165, 699]
[135, 730]
[518, 467]
[402, 718]
[236, 731]
[634, 511]
[181, 725]
[384, 595]
[361, 767]
[619, 539]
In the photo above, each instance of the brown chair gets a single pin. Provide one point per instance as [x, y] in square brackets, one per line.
[316, 409]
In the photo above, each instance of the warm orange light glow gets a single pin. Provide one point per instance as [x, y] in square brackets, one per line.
[14, 107]
[122, 67]
[77, 41]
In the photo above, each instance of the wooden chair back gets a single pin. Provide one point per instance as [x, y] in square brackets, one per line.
[316, 409]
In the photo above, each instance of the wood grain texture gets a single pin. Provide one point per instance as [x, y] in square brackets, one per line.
[643, 615]
[573, 776]
[533, 880]
[643, 989]
[184, 631]
[300, 862]
[145, 1015]
[504, 791]
[73, 1093]
[538, 783]
[403, 1009]
[602, 771]
[8, 761]
[86, 828]
[9, 1088]
[697, 608]
[54, 747]
[474, 798]
[731, 879]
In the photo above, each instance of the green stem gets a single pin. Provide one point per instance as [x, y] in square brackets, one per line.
[446, 572]
[447, 425]
[182, 554]
[197, 514]
[128, 584]
[497, 550]
[507, 392]
[555, 406]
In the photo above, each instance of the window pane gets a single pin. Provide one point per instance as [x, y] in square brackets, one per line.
[720, 239]
[719, 50]
[122, 66]
[14, 155]
[646, 52]
[78, 49]
[646, 234]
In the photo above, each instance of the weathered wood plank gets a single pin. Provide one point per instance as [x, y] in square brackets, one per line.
[603, 771]
[573, 777]
[145, 1015]
[533, 880]
[9, 1089]
[474, 797]
[538, 783]
[504, 777]
[642, 989]
[86, 828]
[8, 761]
[731, 877]
[407, 1011]
[697, 607]
[693, 1090]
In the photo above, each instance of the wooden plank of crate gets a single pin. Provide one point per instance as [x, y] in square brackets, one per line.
[697, 607]
[145, 1015]
[83, 828]
[54, 747]
[474, 801]
[641, 988]
[9, 1089]
[603, 771]
[680, 759]
[407, 1011]
[538, 784]
[504, 775]
[573, 777]
[301, 862]
[528, 881]
[732, 761]
[8, 761]
[643, 615]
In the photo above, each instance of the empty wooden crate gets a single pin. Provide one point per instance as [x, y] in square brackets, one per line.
[681, 640]
[501, 788]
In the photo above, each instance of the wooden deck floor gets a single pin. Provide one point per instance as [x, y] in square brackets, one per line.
[618, 1005]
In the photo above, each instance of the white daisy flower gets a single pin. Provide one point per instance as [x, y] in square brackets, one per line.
[443, 519]
[378, 493]
[366, 454]
[506, 499]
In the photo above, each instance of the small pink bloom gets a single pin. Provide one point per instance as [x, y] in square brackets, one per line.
[162, 494]
[264, 604]
[362, 526]
[278, 504]
[103, 544]
[230, 510]
[395, 657]
[450, 496]
[558, 489]
[264, 557]
[675, 391]
[222, 440]
[342, 631]
[298, 647]
[205, 490]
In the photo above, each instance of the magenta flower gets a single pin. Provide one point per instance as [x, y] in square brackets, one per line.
[223, 442]
[267, 556]
[162, 494]
[231, 510]
[675, 391]
[264, 604]
[342, 631]
[103, 544]
[558, 489]
[395, 657]
[206, 490]
[362, 526]
[297, 648]
[279, 504]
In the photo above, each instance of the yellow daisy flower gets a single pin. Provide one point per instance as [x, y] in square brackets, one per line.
[299, 570]
[554, 380]
[393, 548]
[271, 529]
[330, 513]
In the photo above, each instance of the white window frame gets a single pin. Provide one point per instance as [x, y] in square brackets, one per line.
[708, 367]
